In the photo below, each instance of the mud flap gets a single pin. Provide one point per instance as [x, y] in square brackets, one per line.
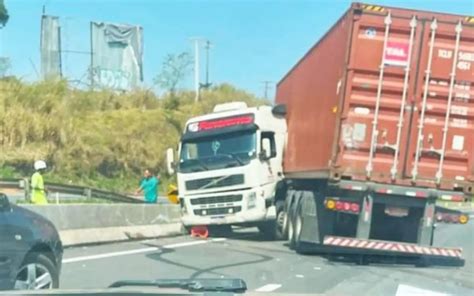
[309, 216]
[365, 218]
[425, 231]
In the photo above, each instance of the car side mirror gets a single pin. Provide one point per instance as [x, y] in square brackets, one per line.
[4, 202]
[170, 161]
[266, 152]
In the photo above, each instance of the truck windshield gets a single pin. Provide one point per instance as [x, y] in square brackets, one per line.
[218, 151]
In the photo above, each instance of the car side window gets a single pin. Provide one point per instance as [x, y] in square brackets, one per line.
[270, 136]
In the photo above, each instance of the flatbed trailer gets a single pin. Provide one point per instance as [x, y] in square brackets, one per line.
[365, 218]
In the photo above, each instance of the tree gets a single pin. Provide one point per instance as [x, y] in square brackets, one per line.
[174, 70]
[3, 14]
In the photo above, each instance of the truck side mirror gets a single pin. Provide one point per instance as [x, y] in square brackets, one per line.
[170, 160]
[266, 152]
[4, 203]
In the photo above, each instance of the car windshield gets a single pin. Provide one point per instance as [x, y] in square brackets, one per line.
[288, 147]
[219, 151]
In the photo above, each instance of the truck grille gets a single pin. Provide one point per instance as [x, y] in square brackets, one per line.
[218, 211]
[215, 182]
[216, 199]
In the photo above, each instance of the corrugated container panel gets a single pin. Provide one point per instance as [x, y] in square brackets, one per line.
[356, 100]
[310, 96]
[441, 146]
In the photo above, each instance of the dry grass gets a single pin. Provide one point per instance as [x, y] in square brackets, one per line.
[97, 138]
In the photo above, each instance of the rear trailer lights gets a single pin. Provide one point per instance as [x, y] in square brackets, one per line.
[463, 219]
[330, 204]
[452, 218]
[342, 206]
[355, 208]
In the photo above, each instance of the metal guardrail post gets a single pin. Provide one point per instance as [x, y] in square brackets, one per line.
[88, 193]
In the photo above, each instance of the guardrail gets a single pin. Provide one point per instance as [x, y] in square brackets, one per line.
[88, 192]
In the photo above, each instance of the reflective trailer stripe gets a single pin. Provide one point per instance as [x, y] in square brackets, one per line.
[390, 246]
[371, 245]
[328, 240]
[379, 246]
[353, 243]
[345, 242]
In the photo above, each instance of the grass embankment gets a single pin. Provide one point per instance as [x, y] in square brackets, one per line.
[96, 138]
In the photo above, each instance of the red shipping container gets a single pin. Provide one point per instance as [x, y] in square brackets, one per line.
[370, 100]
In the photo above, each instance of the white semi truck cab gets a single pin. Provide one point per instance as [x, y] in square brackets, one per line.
[230, 167]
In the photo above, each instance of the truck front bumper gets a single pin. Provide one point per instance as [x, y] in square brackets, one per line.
[248, 216]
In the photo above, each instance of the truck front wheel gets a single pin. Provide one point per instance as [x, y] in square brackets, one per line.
[275, 230]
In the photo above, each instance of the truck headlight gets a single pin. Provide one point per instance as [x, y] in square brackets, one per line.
[251, 200]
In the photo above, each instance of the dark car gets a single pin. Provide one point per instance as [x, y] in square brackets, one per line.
[30, 249]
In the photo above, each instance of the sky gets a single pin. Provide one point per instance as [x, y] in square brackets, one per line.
[253, 41]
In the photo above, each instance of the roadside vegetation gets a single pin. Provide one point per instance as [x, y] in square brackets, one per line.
[96, 138]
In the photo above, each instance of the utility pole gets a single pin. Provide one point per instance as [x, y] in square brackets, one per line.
[196, 68]
[266, 87]
[207, 84]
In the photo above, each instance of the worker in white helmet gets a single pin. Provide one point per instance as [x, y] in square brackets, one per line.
[38, 191]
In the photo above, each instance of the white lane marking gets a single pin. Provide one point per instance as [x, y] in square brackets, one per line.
[268, 288]
[299, 276]
[138, 251]
[317, 268]
[185, 244]
[404, 290]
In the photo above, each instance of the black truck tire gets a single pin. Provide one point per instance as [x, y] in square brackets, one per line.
[275, 230]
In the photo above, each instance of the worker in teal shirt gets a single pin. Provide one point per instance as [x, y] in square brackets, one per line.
[149, 186]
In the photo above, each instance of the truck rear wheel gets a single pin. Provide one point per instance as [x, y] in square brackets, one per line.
[276, 229]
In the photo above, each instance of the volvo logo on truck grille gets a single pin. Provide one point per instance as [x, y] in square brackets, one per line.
[215, 182]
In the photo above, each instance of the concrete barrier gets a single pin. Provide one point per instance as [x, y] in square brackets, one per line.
[98, 223]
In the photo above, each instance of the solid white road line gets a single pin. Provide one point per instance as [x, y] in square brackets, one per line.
[268, 288]
[138, 251]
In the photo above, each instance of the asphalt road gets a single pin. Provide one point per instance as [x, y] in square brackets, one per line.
[267, 266]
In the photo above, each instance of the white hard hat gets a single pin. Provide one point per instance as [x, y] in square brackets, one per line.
[40, 164]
